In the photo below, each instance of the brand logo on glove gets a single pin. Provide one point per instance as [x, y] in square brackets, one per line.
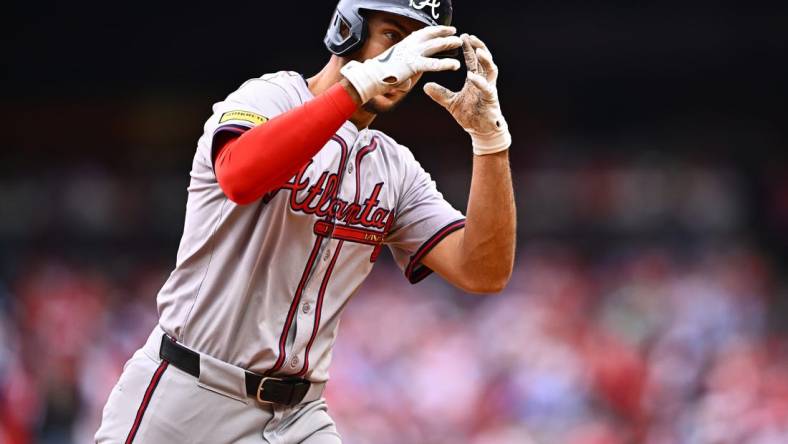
[434, 4]
[388, 56]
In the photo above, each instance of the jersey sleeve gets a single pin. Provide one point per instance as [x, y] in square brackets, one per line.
[423, 218]
[254, 103]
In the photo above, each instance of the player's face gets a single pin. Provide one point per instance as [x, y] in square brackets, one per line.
[384, 31]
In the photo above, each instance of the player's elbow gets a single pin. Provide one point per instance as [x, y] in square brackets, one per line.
[236, 186]
[484, 289]
[237, 194]
[234, 194]
[239, 199]
[489, 283]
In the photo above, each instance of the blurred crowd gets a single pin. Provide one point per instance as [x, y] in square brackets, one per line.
[649, 301]
[666, 328]
[646, 346]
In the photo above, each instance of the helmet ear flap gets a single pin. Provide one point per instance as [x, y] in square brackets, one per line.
[346, 31]
[340, 27]
[361, 38]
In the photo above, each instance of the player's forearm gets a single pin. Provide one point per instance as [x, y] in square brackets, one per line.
[264, 157]
[489, 237]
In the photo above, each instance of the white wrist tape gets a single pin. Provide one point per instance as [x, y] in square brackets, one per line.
[363, 78]
[491, 142]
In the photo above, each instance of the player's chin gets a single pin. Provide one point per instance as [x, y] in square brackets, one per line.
[384, 103]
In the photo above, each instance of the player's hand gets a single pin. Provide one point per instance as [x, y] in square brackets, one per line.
[400, 62]
[476, 107]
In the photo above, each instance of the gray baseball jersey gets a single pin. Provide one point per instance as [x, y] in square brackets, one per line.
[261, 286]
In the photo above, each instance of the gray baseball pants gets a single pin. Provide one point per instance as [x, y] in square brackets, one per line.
[154, 402]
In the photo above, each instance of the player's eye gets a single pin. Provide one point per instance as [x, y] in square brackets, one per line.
[391, 35]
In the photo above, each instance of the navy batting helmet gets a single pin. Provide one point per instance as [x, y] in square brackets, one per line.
[349, 17]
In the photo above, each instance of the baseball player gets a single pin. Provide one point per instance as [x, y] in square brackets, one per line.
[292, 197]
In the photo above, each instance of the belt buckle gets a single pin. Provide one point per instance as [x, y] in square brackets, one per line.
[260, 389]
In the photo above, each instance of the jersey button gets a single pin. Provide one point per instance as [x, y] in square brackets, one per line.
[327, 255]
[350, 169]
[306, 307]
[294, 362]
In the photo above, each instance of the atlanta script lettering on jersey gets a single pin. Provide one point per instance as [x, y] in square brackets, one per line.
[321, 200]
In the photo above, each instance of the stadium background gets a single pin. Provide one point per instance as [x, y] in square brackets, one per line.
[649, 300]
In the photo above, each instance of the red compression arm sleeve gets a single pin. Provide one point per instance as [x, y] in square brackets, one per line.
[264, 157]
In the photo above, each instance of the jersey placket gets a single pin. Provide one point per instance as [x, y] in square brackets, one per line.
[305, 319]
[318, 280]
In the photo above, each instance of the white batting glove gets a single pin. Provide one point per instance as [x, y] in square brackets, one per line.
[476, 107]
[399, 63]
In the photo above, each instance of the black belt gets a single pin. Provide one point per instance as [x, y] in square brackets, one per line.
[285, 391]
